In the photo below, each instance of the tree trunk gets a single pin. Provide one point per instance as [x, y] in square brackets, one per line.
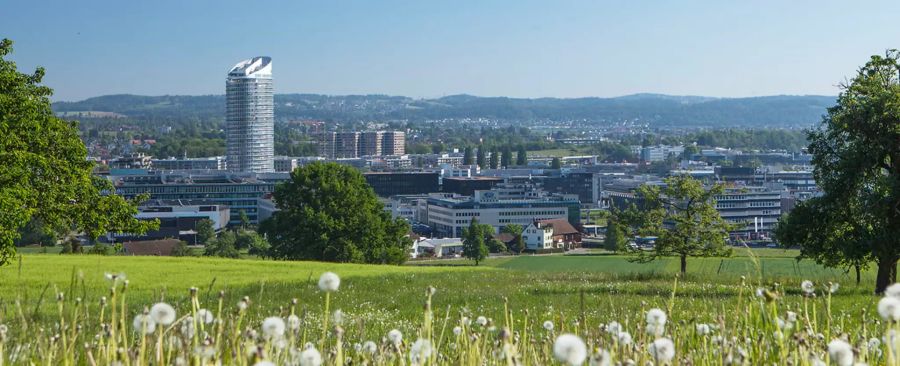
[857, 274]
[887, 274]
[683, 265]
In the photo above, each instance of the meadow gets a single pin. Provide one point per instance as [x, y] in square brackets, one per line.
[44, 294]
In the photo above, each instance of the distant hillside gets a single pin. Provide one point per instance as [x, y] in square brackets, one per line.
[655, 109]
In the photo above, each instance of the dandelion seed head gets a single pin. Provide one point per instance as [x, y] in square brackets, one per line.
[889, 308]
[807, 287]
[833, 287]
[662, 350]
[395, 336]
[329, 282]
[264, 363]
[548, 325]
[840, 352]
[338, 317]
[370, 347]
[892, 291]
[273, 327]
[613, 328]
[420, 351]
[310, 357]
[482, 321]
[656, 316]
[624, 338]
[205, 316]
[143, 322]
[569, 349]
[600, 358]
[162, 313]
[293, 322]
[703, 329]
[457, 330]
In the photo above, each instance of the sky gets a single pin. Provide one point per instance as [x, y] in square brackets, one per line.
[433, 48]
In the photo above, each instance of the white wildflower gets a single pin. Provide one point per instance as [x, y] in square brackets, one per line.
[889, 308]
[760, 292]
[273, 327]
[703, 329]
[791, 317]
[840, 352]
[205, 316]
[457, 330]
[892, 291]
[656, 316]
[601, 358]
[310, 357]
[624, 338]
[338, 317]
[613, 328]
[548, 325]
[662, 350]
[395, 337]
[162, 313]
[570, 349]
[420, 351]
[370, 347]
[833, 287]
[807, 287]
[293, 322]
[482, 321]
[145, 323]
[329, 282]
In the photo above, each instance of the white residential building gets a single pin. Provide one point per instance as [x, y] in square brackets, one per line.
[537, 237]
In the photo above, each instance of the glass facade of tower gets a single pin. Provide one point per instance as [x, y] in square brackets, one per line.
[250, 116]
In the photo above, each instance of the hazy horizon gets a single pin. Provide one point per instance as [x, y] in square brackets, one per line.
[524, 49]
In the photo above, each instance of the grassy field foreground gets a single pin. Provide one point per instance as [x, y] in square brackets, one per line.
[516, 296]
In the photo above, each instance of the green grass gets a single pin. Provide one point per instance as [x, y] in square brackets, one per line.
[587, 289]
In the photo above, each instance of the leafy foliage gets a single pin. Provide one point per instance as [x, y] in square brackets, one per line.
[342, 219]
[475, 241]
[683, 217]
[205, 231]
[856, 158]
[224, 246]
[45, 172]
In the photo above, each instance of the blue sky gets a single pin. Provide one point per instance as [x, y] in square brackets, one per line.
[433, 48]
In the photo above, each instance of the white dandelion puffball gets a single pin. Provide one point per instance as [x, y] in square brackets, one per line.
[457, 330]
[656, 316]
[205, 316]
[370, 347]
[889, 308]
[338, 317]
[613, 328]
[703, 329]
[273, 326]
[329, 282]
[293, 322]
[264, 363]
[548, 325]
[144, 323]
[624, 338]
[760, 292]
[892, 290]
[791, 317]
[601, 358]
[162, 313]
[310, 357]
[482, 321]
[833, 287]
[569, 349]
[656, 329]
[395, 337]
[420, 351]
[840, 352]
[807, 287]
[663, 350]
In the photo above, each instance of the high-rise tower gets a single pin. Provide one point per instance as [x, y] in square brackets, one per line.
[250, 116]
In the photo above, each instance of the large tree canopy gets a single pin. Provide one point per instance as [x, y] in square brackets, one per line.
[856, 157]
[683, 217]
[44, 170]
[328, 212]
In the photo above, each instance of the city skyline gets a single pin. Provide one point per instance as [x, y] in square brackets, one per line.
[425, 50]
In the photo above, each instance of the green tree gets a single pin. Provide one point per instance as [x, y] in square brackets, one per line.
[506, 156]
[616, 239]
[245, 220]
[495, 158]
[224, 246]
[342, 219]
[181, 250]
[480, 158]
[683, 217]
[35, 232]
[689, 151]
[45, 172]
[856, 160]
[468, 158]
[556, 163]
[474, 246]
[521, 156]
[840, 239]
[206, 231]
[518, 243]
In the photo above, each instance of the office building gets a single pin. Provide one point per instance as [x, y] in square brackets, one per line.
[467, 186]
[349, 145]
[210, 163]
[250, 116]
[177, 219]
[387, 184]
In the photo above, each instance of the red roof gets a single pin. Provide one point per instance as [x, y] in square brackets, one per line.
[560, 226]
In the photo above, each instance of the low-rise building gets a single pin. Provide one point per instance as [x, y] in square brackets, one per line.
[537, 237]
[177, 219]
